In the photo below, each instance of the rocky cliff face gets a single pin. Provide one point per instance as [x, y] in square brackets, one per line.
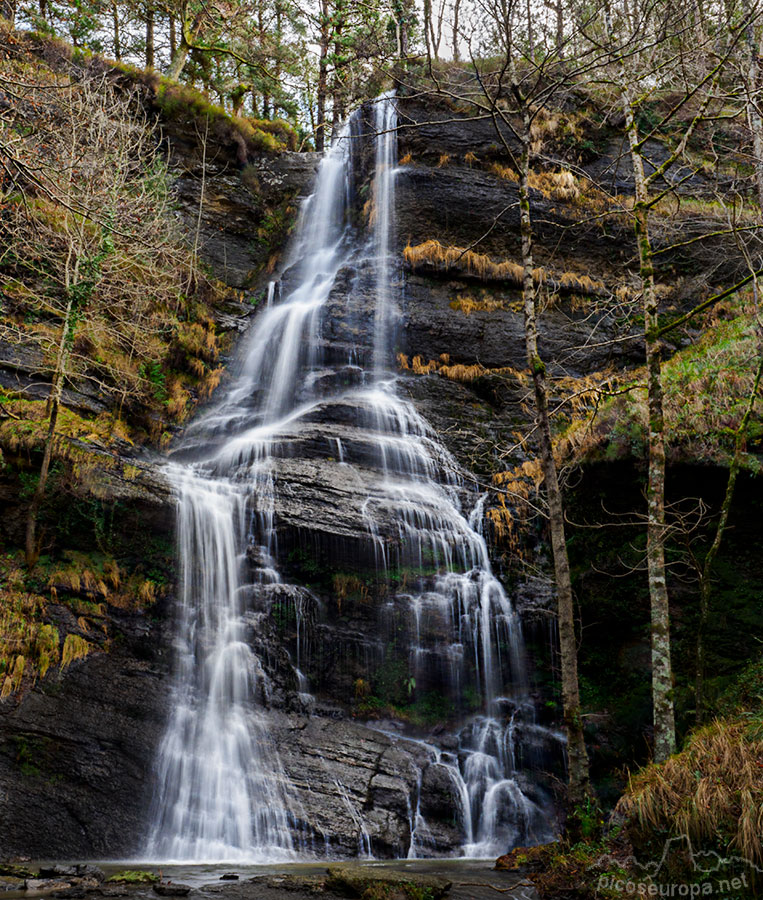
[77, 750]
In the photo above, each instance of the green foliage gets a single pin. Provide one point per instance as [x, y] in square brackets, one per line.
[26, 755]
[180, 102]
[589, 819]
[152, 371]
[706, 390]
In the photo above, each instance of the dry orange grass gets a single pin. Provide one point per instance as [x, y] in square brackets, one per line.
[505, 172]
[432, 254]
[456, 371]
[713, 787]
[555, 185]
[468, 304]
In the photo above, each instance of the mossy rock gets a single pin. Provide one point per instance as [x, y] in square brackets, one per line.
[11, 870]
[134, 876]
[527, 859]
[385, 884]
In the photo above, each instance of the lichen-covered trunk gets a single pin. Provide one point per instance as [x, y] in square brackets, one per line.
[31, 550]
[568, 648]
[662, 674]
[322, 90]
[752, 101]
[149, 37]
[178, 60]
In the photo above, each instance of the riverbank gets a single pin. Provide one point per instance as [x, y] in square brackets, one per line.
[453, 879]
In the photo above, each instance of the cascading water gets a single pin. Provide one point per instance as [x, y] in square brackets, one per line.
[221, 789]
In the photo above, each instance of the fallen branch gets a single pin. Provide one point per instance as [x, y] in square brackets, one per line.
[486, 884]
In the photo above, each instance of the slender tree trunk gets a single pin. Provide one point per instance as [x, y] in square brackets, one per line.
[428, 27]
[530, 36]
[117, 30]
[662, 675]
[173, 37]
[579, 784]
[178, 60]
[456, 25]
[338, 87]
[54, 403]
[753, 98]
[149, 36]
[187, 32]
[322, 89]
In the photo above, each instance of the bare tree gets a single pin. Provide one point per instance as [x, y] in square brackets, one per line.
[91, 238]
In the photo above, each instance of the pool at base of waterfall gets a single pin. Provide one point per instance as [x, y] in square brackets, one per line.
[396, 879]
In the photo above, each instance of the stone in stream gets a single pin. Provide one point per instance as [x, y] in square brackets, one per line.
[13, 870]
[169, 889]
[365, 882]
[229, 876]
[58, 871]
[45, 885]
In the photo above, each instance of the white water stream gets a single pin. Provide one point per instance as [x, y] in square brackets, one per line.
[220, 789]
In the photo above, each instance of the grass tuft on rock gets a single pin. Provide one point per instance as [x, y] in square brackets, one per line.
[710, 792]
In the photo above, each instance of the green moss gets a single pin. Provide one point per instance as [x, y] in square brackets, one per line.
[384, 884]
[179, 102]
[134, 876]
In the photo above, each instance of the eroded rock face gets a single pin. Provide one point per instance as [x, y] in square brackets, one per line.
[97, 726]
[75, 752]
[245, 211]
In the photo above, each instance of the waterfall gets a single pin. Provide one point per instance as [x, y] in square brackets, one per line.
[221, 792]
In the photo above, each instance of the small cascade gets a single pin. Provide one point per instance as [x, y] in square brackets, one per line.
[214, 804]
[317, 380]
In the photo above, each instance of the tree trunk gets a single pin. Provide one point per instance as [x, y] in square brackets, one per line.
[579, 784]
[753, 97]
[149, 36]
[178, 60]
[337, 93]
[173, 37]
[115, 26]
[662, 675]
[322, 90]
[32, 551]
[456, 25]
[530, 41]
[187, 33]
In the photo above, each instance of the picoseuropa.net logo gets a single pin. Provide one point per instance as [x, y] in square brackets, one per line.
[712, 875]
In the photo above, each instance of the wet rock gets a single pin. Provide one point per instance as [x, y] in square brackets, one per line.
[16, 870]
[45, 885]
[58, 871]
[104, 745]
[237, 204]
[169, 889]
[439, 796]
[229, 876]
[390, 793]
[360, 881]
